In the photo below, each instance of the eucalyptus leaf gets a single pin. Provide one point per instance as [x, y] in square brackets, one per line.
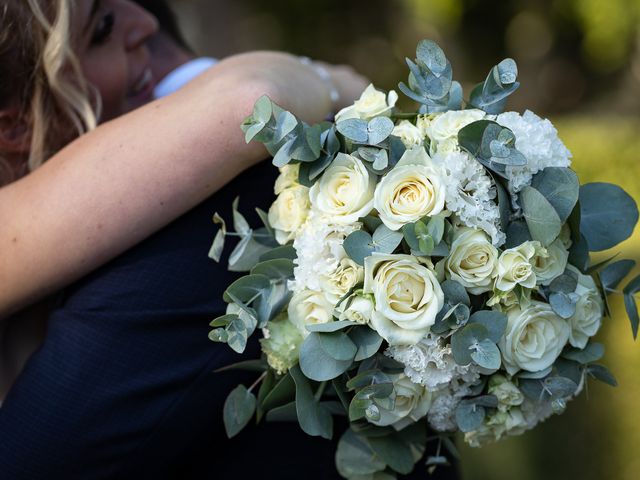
[394, 452]
[612, 274]
[354, 129]
[495, 322]
[542, 219]
[367, 341]
[379, 128]
[338, 345]
[277, 270]
[600, 372]
[517, 234]
[486, 354]
[469, 417]
[632, 312]
[563, 304]
[607, 215]
[282, 392]
[283, 413]
[247, 288]
[560, 386]
[358, 245]
[354, 456]
[285, 251]
[591, 353]
[330, 326]
[564, 283]
[314, 419]
[316, 363]
[386, 240]
[463, 340]
[560, 186]
[238, 409]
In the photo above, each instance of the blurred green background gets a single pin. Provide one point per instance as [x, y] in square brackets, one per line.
[579, 63]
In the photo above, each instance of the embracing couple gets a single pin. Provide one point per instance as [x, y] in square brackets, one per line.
[116, 147]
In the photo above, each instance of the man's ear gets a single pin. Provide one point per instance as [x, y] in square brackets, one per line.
[15, 134]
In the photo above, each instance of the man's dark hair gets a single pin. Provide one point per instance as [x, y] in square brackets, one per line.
[166, 18]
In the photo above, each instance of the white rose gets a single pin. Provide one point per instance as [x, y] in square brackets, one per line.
[422, 123]
[514, 267]
[550, 262]
[372, 103]
[534, 338]
[338, 283]
[473, 260]
[585, 323]
[443, 128]
[288, 177]
[413, 189]
[308, 307]
[358, 310]
[281, 344]
[412, 402]
[289, 212]
[407, 296]
[345, 190]
[408, 133]
[507, 393]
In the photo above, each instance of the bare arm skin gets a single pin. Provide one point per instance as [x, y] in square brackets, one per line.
[115, 186]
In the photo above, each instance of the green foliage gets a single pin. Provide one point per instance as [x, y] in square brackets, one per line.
[314, 418]
[492, 145]
[317, 363]
[591, 353]
[366, 340]
[560, 187]
[629, 291]
[542, 219]
[359, 131]
[456, 309]
[600, 372]
[491, 96]
[360, 244]
[280, 393]
[238, 409]
[430, 80]
[495, 323]
[355, 457]
[607, 215]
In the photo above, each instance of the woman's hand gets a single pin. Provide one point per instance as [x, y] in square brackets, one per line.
[310, 90]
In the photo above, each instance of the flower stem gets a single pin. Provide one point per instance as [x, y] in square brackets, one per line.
[258, 380]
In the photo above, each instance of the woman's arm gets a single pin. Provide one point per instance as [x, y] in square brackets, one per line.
[116, 185]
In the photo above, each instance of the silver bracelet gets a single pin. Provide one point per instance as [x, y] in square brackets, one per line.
[324, 75]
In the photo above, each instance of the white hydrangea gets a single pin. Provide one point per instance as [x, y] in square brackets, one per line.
[470, 193]
[319, 250]
[441, 416]
[429, 362]
[537, 139]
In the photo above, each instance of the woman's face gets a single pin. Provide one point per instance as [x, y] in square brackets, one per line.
[111, 47]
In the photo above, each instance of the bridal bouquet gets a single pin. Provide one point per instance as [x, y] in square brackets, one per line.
[421, 272]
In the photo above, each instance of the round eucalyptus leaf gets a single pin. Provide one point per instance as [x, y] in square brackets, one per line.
[455, 293]
[591, 353]
[487, 355]
[394, 452]
[247, 288]
[316, 363]
[565, 283]
[560, 386]
[279, 269]
[563, 304]
[238, 409]
[338, 345]
[314, 419]
[560, 186]
[354, 129]
[386, 240]
[355, 457]
[379, 128]
[464, 339]
[608, 215]
[366, 340]
[495, 322]
[431, 55]
[358, 246]
[469, 417]
[542, 219]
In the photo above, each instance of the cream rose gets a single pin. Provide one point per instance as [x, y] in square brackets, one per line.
[410, 135]
[289, 212]
[585, 323]
[514, 267]
[549, 263]
[338, 283]
[288, 177]
[407, 297]
[345, 190]
[534, 338]
[506, 392]
[308, 307]
[413, 189]
[412, 402]
[443, 128]
[372, 103]
[473, 260]
[358, 309]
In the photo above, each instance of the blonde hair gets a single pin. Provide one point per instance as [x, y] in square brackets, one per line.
[43, 74]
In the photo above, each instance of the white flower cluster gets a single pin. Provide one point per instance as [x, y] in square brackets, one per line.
[537, 139]
[470, 193]
[319, 250]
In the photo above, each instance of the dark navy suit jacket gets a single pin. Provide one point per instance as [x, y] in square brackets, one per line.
[123, 385]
